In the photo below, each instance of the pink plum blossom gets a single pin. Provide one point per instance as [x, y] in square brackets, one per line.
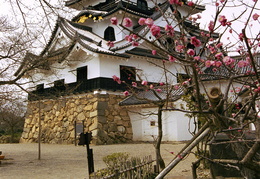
[149, 22]
[126, 93]
[127, 22]
[159, 90]
[179, 48]
[194, 41]
[223, 20]
[208, 63]
[144, 83]
[241, 36]
[211, 26]
[218, 63]
[219, 55]
[135, 36]
[255, 16]
[212, 49]
[171, 58]
[228, 60]
[134, 84]
[191, 52]
[110, 44]
[190, 3]
[257, 90]
[135, 44]
[214, 69]
[242, 63]
[141, 21]
[161, 83]
[117, 79]
[155, 30]
[154, 52]
[219, 45]
[197, 58]
[129, 38]
[114, 20]
[185, 83]
[174, 1]
[169, 29]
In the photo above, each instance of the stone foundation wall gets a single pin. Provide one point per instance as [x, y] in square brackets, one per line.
[101, 114]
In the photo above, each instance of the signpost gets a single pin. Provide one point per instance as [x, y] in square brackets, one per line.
[85, 139]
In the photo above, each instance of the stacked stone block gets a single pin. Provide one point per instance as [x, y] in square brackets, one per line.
[101, 114]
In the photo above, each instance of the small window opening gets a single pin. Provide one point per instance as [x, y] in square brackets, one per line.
[142, 4]
[82, 73]
[152, 123]
[127, 74]
[59, 84]
[109, 34]
[40, 88]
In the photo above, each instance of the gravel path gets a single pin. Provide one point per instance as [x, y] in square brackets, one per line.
[69, 161]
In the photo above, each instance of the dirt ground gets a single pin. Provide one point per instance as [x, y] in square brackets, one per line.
[70, 162]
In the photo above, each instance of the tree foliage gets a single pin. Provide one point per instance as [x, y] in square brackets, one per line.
[230, 106]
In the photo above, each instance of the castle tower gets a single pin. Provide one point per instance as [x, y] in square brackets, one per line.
[74, 88]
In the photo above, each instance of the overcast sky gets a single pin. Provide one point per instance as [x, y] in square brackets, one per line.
[230, 12]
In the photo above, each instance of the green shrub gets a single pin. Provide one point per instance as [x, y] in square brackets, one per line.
[114, 160]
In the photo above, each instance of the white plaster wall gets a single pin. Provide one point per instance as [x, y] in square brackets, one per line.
[222, 85]
[148, 71]
[175, 125]
[99, 27]
[106, 66]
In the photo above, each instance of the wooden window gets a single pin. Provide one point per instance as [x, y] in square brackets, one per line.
[82, 73]
[40, 88]
[109, 34]
[109, 1]
[152, 123]
[182, 77]
[59, 84]
[142, 4]
[127, 74]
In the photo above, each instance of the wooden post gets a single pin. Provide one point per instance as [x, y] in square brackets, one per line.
[75, 133]
[39, 134]
[182, 154]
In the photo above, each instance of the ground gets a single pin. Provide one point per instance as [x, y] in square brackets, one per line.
[69, 161]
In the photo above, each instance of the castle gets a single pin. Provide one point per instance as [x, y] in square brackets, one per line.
[74, 89]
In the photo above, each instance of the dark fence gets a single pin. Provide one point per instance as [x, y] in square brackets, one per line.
[135, 168]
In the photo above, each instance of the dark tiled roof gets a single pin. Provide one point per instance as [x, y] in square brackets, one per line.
[151, 96]
[71, 29]
[143, 52]
[103, 13]
[121, 6]
[199, 7]
[27, 60]
[51, 38]
[71, 2]
[224, 72]
[61, 53]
